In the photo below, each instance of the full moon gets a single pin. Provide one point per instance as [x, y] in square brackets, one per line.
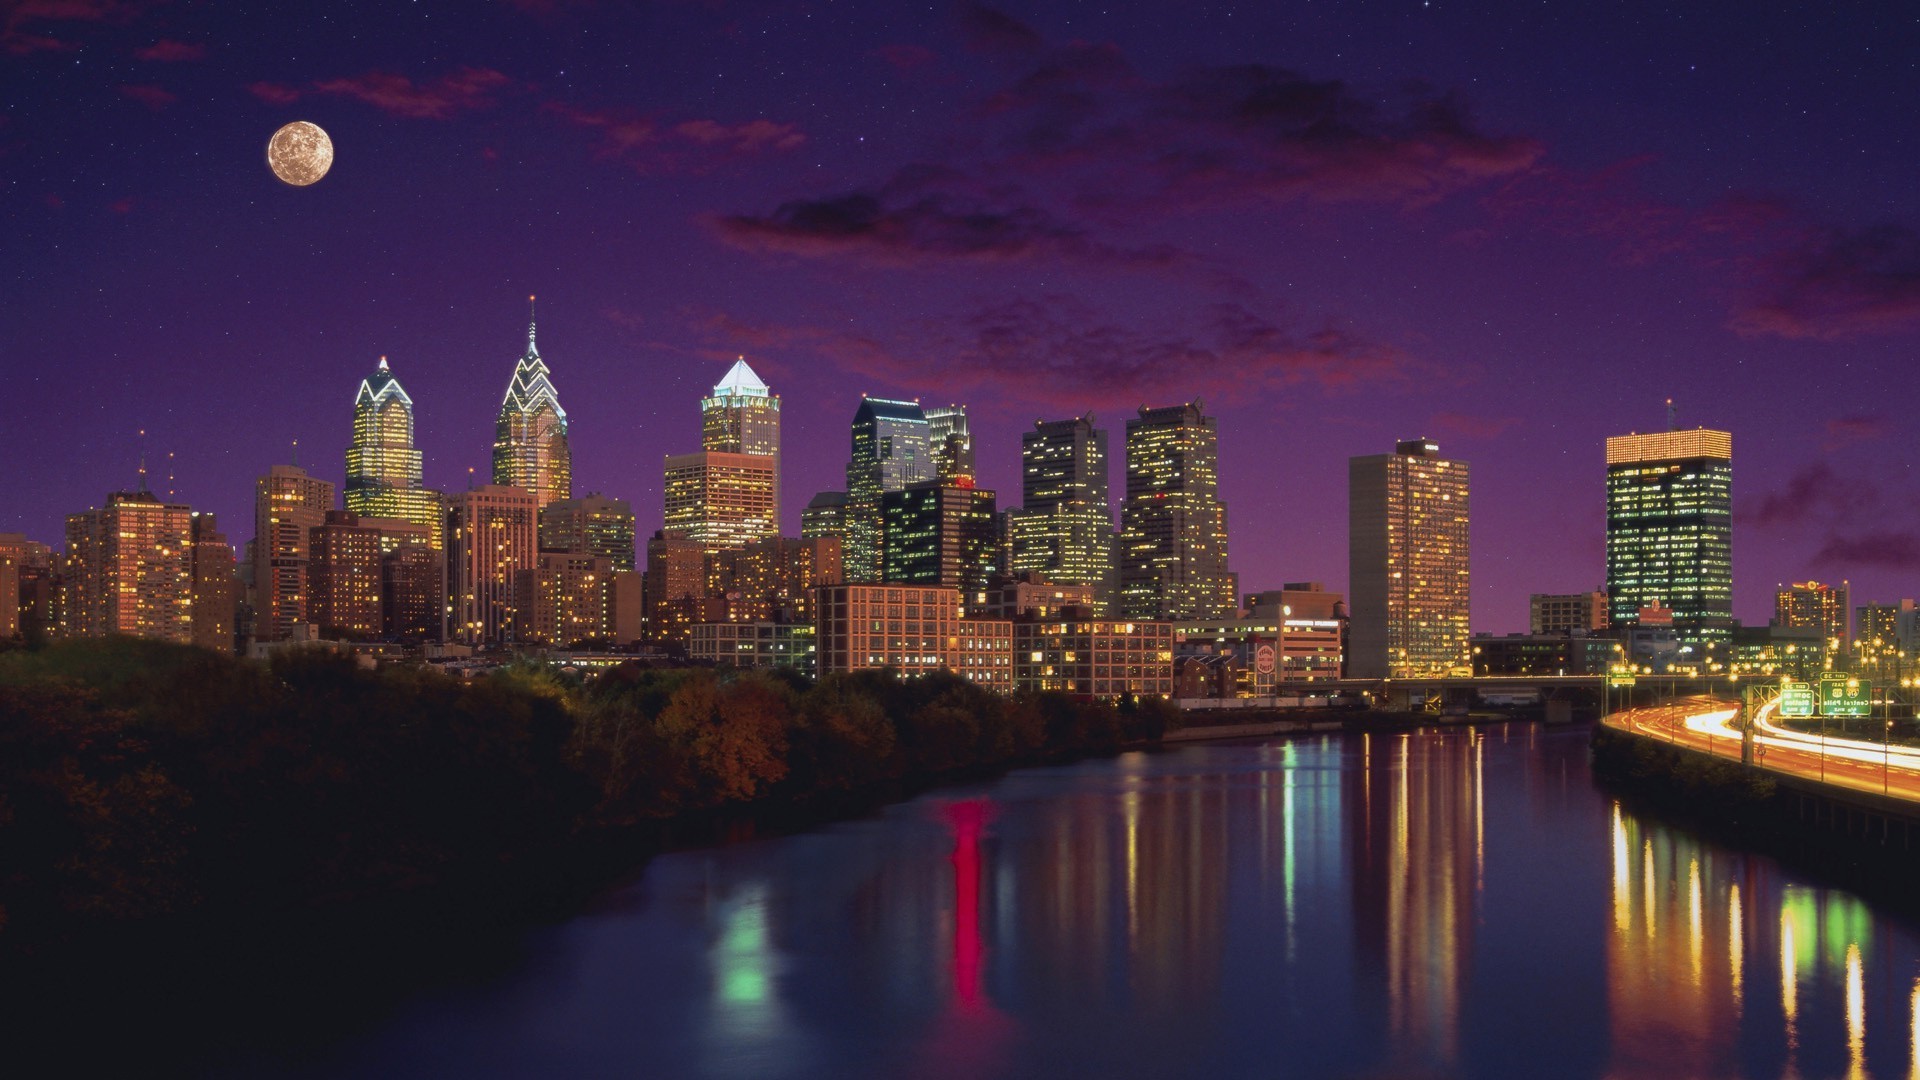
[300, 153]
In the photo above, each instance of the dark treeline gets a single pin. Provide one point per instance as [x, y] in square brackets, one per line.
[141, 781]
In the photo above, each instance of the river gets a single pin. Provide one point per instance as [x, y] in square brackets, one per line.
[1465, 902]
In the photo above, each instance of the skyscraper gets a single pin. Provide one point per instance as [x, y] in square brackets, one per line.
[950, 441]
[1173, 526]
[383, 468]
[1407, 563]
[825, 515]
[1063, 529]
[743, 417]
[1670, 532]
[890, 450]
[1812, 605]
[344, 577]
[491, 537]
[129, 569]
[530, 449]
[940, 532]
[719, 501]
[590, 525]
[287, 505]
[215, 589]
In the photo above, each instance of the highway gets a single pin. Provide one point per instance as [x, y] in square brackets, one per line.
[1706, 724]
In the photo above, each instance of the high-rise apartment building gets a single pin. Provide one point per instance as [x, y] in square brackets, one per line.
[344, 575]
[676, 591]
[287, 505]
[491, 537]
[216, 592]
[743, 417]
[129, 569]
[13, 559]
[1063, 528]
[890, 450]
[530, 449]
[383, 468]
[590, 525]
[1812, 605]
[950, 441]
[413, 600]
[1173, 526]
[1670, 532]
[719, 501]
[774, 579]
[1887, 641]
[1567, 613]
[567, 597]
[1407, 563]
[940, 532]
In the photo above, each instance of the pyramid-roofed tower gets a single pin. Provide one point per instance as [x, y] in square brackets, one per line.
[530, 449]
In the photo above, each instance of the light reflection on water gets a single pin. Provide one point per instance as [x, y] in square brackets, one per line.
[1460, 903]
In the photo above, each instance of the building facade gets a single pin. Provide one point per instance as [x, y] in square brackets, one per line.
[1812, 605]
[216, 591]
[913, 629]
[940, 532]
[1063, 528]
[1173, 526]
[1887, 641]
[567, 597]
[1407, 563]
[128, 569]
[1670, 532]
[891, 449]
[288, 505]
[530, 448]
[742, 416]
[1567, 613]
[1095, 658]
[491, 537]
[950, 441]
[590, 525]
[754, 645]
[825, 515]
[720, 501]
[383, 468]
[344, 576]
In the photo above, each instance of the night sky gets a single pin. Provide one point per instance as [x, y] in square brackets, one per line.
[1513, 231]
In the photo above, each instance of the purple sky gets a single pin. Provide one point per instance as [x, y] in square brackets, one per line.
[1339, 225]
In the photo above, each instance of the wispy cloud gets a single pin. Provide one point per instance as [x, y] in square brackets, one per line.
[1836, 283]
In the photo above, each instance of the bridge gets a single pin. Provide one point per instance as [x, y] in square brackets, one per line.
[1462, 691]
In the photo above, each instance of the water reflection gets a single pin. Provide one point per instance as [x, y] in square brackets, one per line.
[1452, 902]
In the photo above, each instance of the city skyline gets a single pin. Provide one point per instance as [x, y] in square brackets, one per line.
[1527, 265]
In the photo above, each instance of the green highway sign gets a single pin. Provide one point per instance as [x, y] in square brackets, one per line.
[1796, 699]
[1843, 695]
[1620, 680]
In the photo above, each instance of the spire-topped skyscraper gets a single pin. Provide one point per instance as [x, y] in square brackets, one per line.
[383, 468]
[743, 417]
[530, 441]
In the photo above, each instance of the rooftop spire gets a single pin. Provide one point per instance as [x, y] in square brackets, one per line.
[530, 347]
[383, 363]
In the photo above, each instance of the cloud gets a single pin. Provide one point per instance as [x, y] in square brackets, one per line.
[1057, 350]
[274, 93]
[1816, 493]
[648, 145]
[465, 90]
[169, 51]
[1836, 283]
[1896, 550]
[153, 97]
[1844, 430]
[1079, 138]
[18, 39]
[921, 225]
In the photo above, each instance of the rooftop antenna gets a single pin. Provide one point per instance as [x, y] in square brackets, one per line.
[143, 460]
[296, 453]
[1672, 425]
[169, 474]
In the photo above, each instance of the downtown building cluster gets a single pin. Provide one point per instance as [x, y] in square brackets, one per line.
[912, 564]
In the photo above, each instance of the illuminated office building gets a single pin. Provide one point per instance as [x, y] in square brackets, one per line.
[590, 525]
[676, 590]
[891, 449]
[383, 468]
[825, 515]
[743, 417]
[530, 449]
[287, 505]
[914, 629]
[412, 597]
[1567, 613]
[491, 538]
[1407, 562]
[1063, 528]
[567, 598]
[128, 569]
[1173, 526]
[1670, 533]
[775, 578]
[13, 558]
[1887, 640]
[719, 501]
[940, 532]
[1811, 605]
[950, 441]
